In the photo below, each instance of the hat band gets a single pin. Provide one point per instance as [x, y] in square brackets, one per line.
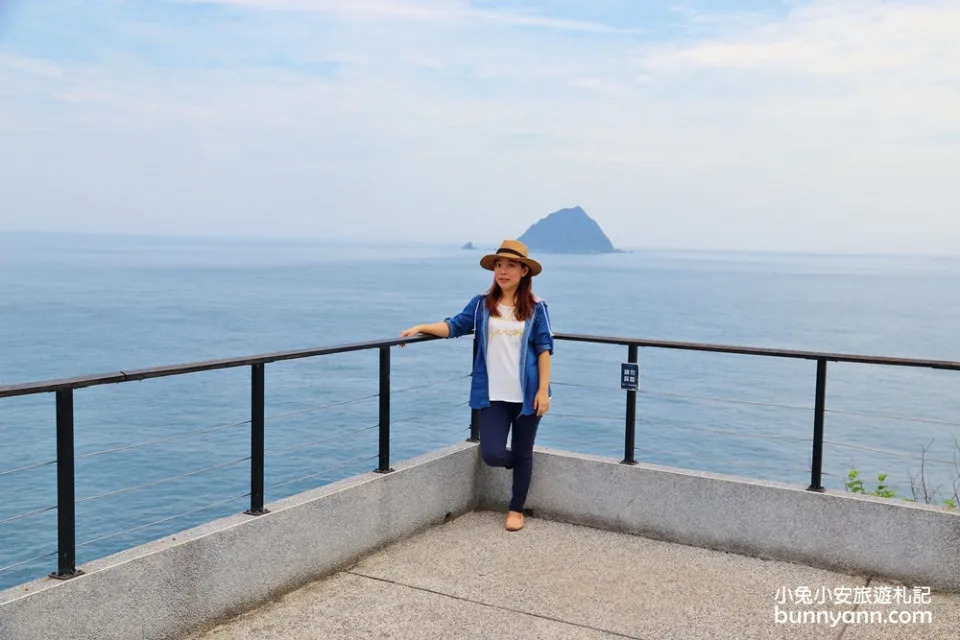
[512, 251]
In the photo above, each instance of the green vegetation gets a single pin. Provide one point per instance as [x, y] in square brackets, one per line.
[920, 488]
[855, 485]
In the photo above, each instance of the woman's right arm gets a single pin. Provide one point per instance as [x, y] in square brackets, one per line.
[441, 329]
[454, 327]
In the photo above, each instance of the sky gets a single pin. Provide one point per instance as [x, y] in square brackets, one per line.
[818, 125]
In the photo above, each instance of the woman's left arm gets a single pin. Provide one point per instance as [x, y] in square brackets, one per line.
[543, 343]
[541, 403]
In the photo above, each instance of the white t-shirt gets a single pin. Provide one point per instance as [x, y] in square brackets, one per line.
[503, 356]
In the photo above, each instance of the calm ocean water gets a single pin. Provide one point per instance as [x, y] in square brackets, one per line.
[73, 305]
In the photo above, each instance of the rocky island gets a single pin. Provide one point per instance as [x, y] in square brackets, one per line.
[567, 231]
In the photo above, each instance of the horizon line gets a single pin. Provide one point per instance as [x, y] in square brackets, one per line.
[478, 246]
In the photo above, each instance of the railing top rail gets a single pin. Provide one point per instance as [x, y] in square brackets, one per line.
[46, 386]
[758, 351]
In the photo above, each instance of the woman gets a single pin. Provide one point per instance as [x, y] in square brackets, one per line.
[511, 374]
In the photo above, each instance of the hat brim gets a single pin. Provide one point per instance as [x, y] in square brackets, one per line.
[490, 259]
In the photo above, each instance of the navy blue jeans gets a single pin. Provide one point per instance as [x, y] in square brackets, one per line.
[495, 423]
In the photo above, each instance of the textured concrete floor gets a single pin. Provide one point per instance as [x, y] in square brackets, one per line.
[471, 579]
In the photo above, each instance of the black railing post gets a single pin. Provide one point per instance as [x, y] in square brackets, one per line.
[474, 413]
[384, 466]
[816, 467]
[256, 440]
[630, 431]
[66, 507]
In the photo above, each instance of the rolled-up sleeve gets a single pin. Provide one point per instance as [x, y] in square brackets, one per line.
[462, 323]
[543, 335]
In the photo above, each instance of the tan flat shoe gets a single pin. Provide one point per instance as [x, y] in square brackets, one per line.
[514, 521]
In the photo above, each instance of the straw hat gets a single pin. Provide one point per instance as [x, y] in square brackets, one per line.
[511, 250]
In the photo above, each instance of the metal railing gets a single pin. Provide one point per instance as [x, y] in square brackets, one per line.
[64, 391]
[820, 390]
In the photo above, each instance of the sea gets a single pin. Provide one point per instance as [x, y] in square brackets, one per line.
[159, 456]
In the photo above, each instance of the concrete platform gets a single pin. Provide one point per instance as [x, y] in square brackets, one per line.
[470, 578]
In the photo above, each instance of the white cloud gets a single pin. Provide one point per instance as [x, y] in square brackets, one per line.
[832, 127]
[437, 11]
[829, 37]
[403, 9]
[31, 66]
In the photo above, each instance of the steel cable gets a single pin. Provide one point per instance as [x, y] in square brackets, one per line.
[738, 434]
[438, 411]
[311, 443]
[867, 414]
[322, 473]
[886, 416]
[714, 461]
[321, 407]
[28, 467]
[846, 445]
[162, 520]
[163, 481]
[674, 425]
[181, 436]
[28, 561]
[432, 384]
[360, 399]
[727, 400]
[27, 514]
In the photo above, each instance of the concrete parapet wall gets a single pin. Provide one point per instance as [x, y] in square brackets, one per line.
[916, 544]
[172, 586]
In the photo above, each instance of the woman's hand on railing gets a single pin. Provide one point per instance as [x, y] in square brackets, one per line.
[412, 331]
[439, 329]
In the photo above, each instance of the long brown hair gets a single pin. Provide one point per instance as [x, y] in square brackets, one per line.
[526, 301]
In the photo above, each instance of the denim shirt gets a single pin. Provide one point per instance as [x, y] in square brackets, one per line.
[537, 338]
